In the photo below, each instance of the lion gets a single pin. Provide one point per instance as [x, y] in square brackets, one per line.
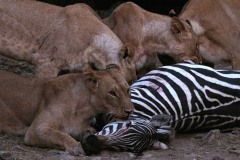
[217, 26]
[52, 112]
[54, 38]
[153, 34]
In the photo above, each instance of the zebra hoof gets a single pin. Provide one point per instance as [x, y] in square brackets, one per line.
[160, 145]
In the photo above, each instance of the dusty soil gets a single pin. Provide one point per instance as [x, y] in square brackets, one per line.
[198, 146]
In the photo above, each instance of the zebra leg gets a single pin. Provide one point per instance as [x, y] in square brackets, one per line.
[161, 120]
[164, 133]
[162, 124]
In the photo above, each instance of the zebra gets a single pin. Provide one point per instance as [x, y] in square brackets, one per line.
[136, 135]
[197, 97]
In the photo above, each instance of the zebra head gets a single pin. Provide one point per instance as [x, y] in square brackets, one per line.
[130, 135]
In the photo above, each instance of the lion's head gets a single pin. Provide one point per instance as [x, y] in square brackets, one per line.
[182, 41]
[109, 91]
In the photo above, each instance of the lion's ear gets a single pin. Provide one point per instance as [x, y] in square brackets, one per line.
[90, 77]
[177, 26]
[127, 51]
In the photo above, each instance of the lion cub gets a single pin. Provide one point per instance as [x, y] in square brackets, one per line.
[51, 112]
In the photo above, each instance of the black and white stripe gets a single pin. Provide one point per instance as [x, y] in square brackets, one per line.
[196, 96]
[133, 135]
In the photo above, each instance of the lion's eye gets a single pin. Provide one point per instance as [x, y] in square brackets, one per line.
[112, 93]
[128, 91]
[197, 46]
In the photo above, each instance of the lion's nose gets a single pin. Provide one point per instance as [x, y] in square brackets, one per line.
[197, 60]
[128, 111]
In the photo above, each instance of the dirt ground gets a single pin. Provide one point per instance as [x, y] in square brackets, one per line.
[213, 145]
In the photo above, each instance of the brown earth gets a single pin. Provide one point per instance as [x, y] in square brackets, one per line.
[195, 146]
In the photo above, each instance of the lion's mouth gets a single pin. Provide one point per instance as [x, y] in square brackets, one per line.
[123, 116]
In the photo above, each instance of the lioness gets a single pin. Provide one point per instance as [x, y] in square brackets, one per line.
[55, 38]
[217, 26]
[51, 112]
[153, 34]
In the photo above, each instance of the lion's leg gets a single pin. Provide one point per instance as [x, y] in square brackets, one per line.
[45, 64]
[236, 63]
[9, 122]
[45, 136]
[46, 70]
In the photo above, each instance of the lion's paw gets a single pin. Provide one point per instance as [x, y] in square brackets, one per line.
[76, 151]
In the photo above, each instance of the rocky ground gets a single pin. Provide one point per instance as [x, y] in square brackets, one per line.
[213, 145]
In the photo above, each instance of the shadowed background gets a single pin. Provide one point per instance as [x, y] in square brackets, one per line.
[157, 6]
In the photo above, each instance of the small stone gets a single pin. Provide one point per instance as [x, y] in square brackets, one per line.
[63, 157]
[211, 137]
[57, 152]
[198, 137]
[132, 155]
[217, 158]
[235, 152]
[147, 156]
[98, 158]
[5, 155]
[20, 148]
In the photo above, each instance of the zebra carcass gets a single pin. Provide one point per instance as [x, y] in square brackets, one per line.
[197, 97]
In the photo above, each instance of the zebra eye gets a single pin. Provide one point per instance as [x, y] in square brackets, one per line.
[128, 124]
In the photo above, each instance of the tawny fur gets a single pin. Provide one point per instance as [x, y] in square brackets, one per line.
[54, 38]
[153, 34]
[51, 112]
[217, 26]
